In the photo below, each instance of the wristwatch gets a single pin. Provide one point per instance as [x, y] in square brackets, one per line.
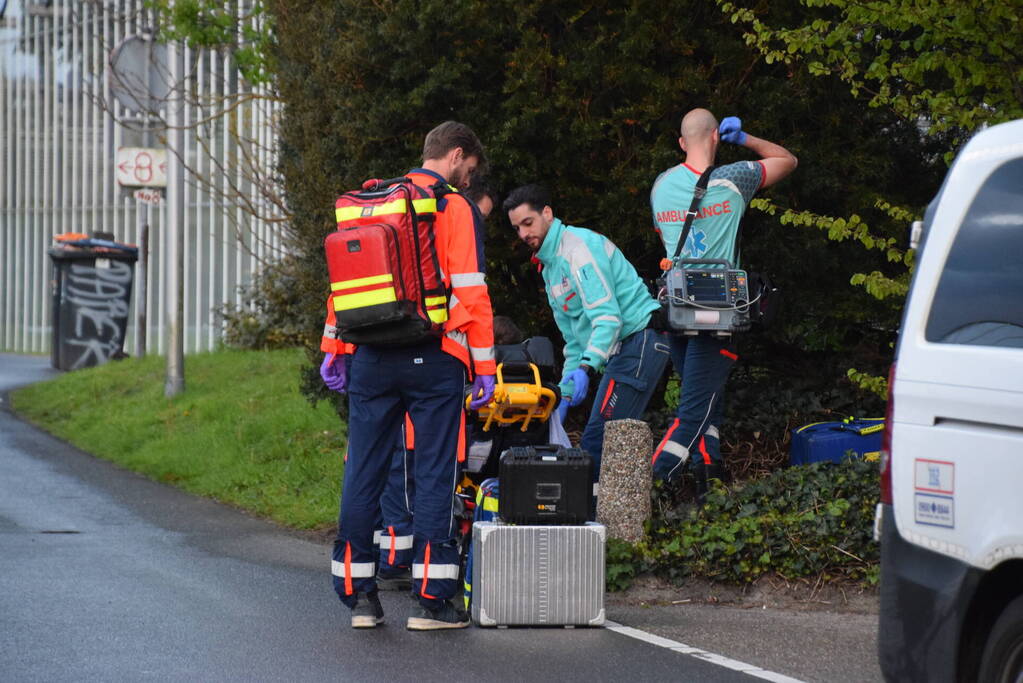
[590, 372]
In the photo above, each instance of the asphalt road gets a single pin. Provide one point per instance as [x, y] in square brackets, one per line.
[106, 575]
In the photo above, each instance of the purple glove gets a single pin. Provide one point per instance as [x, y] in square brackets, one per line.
[574, 387]
[484, 383]
[731, 130]
[334, 372]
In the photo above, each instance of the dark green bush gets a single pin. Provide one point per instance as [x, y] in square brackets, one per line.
[271, 311]
[586, 98]
[811, 521]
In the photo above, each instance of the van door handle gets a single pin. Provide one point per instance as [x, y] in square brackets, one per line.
[975, 425]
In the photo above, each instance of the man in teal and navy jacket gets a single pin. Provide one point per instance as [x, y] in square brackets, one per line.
[602, 309]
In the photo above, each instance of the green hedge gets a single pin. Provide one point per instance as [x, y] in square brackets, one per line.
[811, 521]
[586, 98]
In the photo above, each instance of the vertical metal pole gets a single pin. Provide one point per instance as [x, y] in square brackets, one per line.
[5, 202]
[66, 127]
[227, 243]
[54, 133]
[175, 381]
[35, 203]
[195, 291]
[21, 220]
[109, 190]
[46, 204]
[144, 217]
[187, 199]
[75, 157]
[142, 213]
[91, 112]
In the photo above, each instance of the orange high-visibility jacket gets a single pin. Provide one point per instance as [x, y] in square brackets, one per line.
[469, 330]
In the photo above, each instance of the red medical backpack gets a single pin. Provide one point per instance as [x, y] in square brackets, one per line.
[384, 273]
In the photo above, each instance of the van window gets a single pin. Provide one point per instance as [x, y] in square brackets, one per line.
[979, 300]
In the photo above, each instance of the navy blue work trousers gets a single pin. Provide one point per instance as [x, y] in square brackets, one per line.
[629, 379]
[385, 384]
[396, 506]
[702, 363]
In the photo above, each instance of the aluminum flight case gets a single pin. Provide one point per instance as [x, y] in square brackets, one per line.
[538, 575]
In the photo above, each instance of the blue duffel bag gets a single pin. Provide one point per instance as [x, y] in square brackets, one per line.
[831, 441]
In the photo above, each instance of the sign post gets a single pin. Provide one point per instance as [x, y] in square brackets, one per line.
[175, 381]
[144, 168]
[147, 77]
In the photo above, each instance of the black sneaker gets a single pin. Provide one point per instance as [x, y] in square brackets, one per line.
[445, 616]
[367, 613]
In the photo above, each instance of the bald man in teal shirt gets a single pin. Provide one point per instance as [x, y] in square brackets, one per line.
[703, 361]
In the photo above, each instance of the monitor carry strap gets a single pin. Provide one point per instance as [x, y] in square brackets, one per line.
[698, 193]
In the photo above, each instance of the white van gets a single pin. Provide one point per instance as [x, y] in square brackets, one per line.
[950, 519]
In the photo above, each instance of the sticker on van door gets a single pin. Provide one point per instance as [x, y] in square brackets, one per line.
[934, 476]
[934, 510]
[934, 497]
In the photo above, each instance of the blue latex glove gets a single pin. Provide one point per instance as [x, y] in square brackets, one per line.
[731, 130]
[334, 371]
[485, 384]
[574, 387]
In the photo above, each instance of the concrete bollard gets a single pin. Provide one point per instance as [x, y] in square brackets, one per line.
[623, 502]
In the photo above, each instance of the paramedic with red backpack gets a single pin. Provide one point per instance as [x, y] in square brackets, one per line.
[398, 500]
[427, 381]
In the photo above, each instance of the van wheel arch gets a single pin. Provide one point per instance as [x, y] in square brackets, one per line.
[1003, 654]
[1000, 589]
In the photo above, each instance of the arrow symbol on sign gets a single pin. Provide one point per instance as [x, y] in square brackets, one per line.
[124, 166]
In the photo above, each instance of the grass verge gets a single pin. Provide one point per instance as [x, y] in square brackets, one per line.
[240, 432]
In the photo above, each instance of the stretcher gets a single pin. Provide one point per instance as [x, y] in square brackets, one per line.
[517, 401]
[525, 396]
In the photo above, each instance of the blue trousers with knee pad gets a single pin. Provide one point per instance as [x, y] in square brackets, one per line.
[702, 363]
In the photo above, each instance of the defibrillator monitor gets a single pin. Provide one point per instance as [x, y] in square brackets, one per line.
[705, 286]
[702, 299]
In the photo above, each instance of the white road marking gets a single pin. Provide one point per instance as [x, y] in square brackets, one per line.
[684, 649]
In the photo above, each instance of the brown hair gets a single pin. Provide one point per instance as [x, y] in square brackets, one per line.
[479, 189]
[449, 135]
[506, 331]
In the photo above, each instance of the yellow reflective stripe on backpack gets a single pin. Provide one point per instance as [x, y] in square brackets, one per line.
[374, 297]
[361, 282]
[421, 207]
[437, 308]
[424, 205]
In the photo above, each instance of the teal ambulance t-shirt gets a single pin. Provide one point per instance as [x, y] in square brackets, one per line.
[714, 229]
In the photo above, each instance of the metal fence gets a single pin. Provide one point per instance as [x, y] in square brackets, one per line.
[59, 133]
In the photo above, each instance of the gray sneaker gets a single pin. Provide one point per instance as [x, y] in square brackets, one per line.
[367, 613]
[445, 616]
